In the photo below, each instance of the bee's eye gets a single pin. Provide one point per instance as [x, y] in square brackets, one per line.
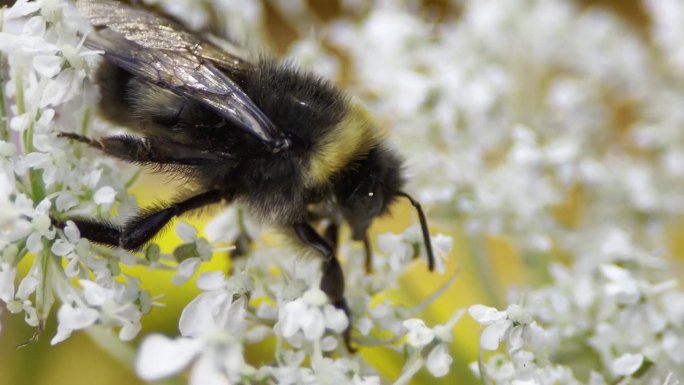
[374, 203]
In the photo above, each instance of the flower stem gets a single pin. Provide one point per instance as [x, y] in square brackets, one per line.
[482, 262]
[107, 341]
[410, 370]
[44, 297]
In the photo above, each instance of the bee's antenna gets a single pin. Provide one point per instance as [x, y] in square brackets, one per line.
[424, 228]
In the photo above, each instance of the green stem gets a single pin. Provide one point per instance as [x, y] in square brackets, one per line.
[84, 128]
[108, 341]
[35, 176]
[19, 92]
[483, 265]
[415, 363]
[21, 246]
[43, 303]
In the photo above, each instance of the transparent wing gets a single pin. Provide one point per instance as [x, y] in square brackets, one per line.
[151, 29]
[158, 50]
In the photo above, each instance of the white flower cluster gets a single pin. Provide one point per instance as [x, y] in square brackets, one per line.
[614, 317]
[255, 304]
[45, 179]
[547, 122]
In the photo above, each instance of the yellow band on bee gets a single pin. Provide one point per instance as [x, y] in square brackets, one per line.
[351, 138]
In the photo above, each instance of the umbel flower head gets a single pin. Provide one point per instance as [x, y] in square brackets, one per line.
[47, 89]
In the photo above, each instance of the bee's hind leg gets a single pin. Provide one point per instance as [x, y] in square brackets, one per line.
[102, 232]
[153, 150]
[332, 282]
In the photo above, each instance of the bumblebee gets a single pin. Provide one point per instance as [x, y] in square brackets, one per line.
[290, 146]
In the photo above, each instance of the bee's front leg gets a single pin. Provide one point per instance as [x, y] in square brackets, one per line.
[332, 282]
[331, 234]
[369, 253]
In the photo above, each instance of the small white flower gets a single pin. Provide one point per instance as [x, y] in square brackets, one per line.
[515, 326]
[38, 226]
[310, 315]
[71, 248]
[191, 254]
[418, 334]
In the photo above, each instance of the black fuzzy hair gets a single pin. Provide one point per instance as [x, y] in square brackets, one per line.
[300, 103]
[383, 165]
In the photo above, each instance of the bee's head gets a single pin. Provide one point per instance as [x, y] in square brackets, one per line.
[367, 189]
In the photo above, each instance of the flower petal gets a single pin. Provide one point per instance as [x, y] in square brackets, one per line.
[485, 314]
[104, 195]
[48, 65]
[313, 323]
[202, 314]
[335, 319]
[211, 280]
[76, 318]
[627, 364]
[206, 372]
[290, 317]
[493, 334]
[186, 269]
[160, 356]
[439, 360]
[186, 232]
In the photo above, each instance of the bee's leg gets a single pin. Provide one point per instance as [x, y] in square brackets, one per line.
[331, 233]
[141, 228]
[369, 253]
[332, 282]
[103, 232]
[152, 150]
